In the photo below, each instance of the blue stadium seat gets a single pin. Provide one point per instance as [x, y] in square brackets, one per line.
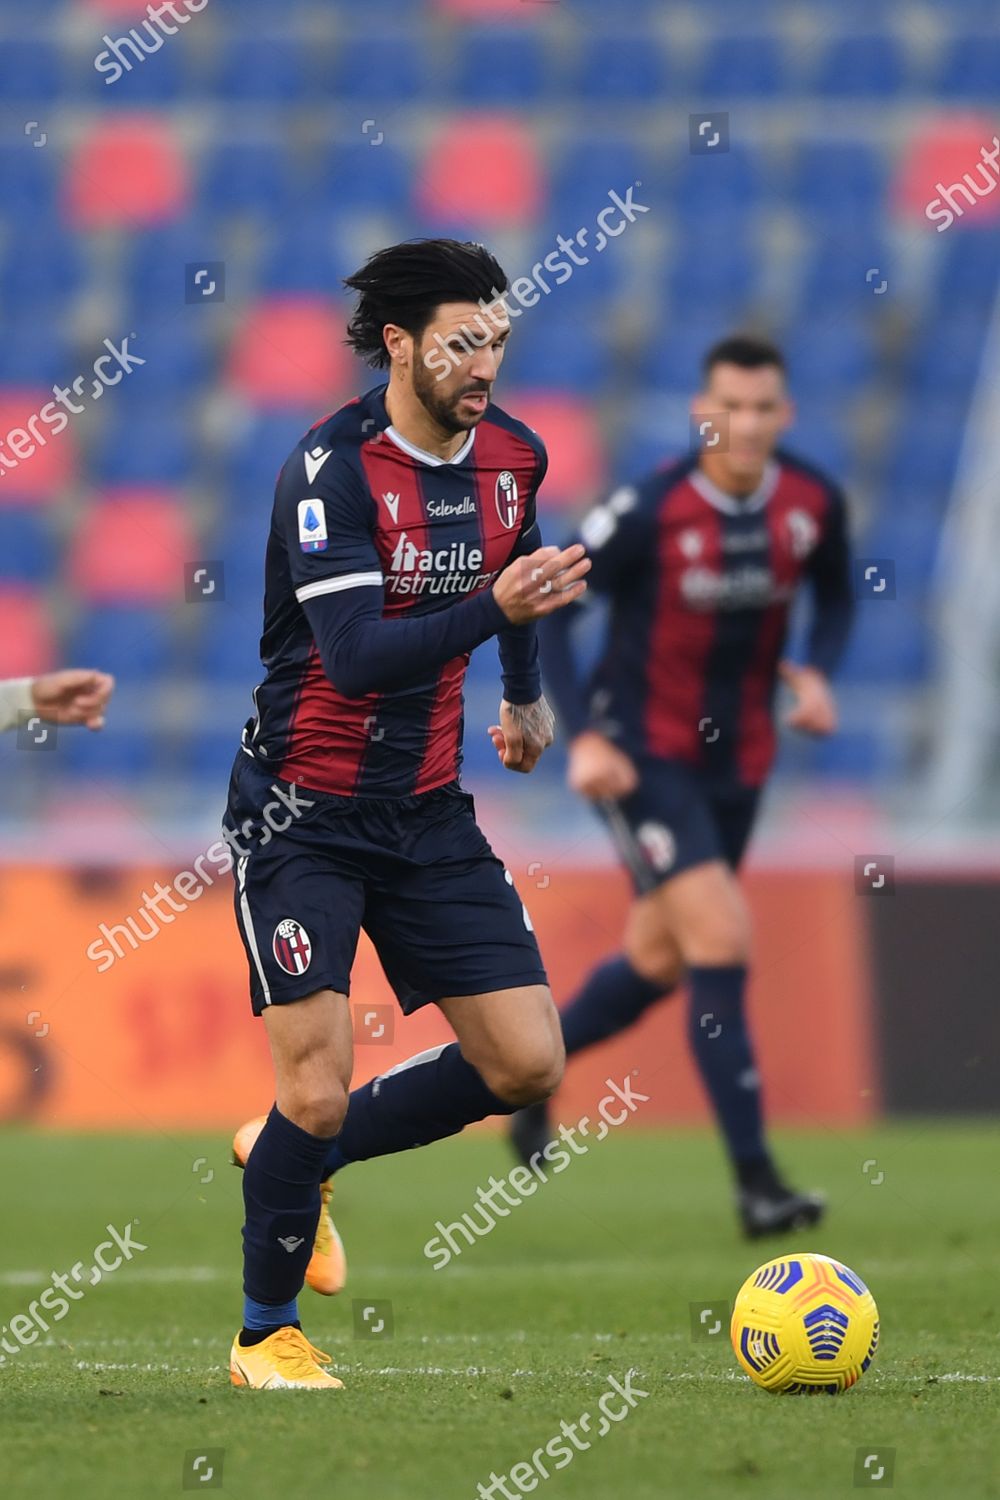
[358, 177]
[742, 67]
[970, 66]
[626, 67]
[831, 355]
[40, 270]
[370, 70]
[135, 644]
[155, 264]
[152, 445]
[862, 66]
[591, 166]
[258, 451]
[714, 274]
[30, 182]
[267, 70]
[247, 177]
[32, 353]
[888, 644]
[969, 269]
[925, 449]
[553, 347]
[308, 255]
[501, 66]
[674, 353]
[821, 438]
[839, 181]
[946, 355]
[118, 754]
[178, 363]
[28, 552]
[31, 71]
[157, 78]
[726, 186]
[229, 648]
[843, 273]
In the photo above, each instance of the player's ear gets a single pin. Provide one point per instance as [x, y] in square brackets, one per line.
[398, 343]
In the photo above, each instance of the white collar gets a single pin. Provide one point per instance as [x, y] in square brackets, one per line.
[728, 504]
[430, 458]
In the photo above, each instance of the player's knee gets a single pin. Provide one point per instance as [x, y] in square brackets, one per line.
[722, 938]
[529, 1077]
[318, 1106]
[657, 962]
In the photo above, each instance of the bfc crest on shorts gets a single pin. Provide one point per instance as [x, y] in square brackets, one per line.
[291, 945]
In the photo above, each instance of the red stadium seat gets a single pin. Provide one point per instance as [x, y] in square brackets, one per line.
[133, 548]
[571, 434]
[483, 170]
[129, 172]
[27, 640]
[120, 8]
[943, 155]
[482, 10]
[290, 352]
[40, 475]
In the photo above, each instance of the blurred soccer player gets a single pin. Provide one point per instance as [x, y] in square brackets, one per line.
[673, 734]
[403, 536]
[74, 695]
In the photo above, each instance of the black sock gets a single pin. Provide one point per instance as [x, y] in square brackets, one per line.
[430, 1096]
[251, 1336]
[612, 998]
[281, 1194]
[721, 1044]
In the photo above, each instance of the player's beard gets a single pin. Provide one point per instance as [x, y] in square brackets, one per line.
[445, 410]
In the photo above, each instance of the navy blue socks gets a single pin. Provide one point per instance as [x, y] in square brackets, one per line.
[613, 997]
[430, 1096]
[721, 1045]
[281, 1194]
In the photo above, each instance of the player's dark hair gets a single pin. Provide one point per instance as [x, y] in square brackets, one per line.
[405, 283]
[745, 350]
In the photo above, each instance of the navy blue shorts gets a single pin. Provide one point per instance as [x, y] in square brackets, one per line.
[677, 818]
[415, 872]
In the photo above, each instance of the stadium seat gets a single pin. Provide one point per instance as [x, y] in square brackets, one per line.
[969, 66]
[307, 255]
[135, 644]
[620, 68]
[844, 273]
[888, 644]
[674, 353]
[156, 264]
[28, 551]
[32, 71]
[503, 67]
[946, 354]
[969, 268]
[392, 72]
[926, 445]
[133, 548]
[838, 181]
[179, 363]
[259, 447]
[247, 177]
[288, 351]
[120, 753]
[862, 67]
[357, 178]
[126, 173]
[569, 430]
[742, 67]
[721, 186]
[134, 73]
[588, 167]
[41, 476]
[267, 70]
[820, 436]
[482, 171]
[556, 348]
[33, 351]
[41, 270]
[831, 355]
[144, 445]
[27, 639]
[714, 274]
[228, 651]
[31, 183]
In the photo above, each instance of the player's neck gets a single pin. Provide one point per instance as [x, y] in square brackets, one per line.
[412, 421]
[741, 488]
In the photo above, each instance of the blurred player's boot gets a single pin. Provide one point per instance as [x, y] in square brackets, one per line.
[284, 1361]
[776, 1208]
[530, 1131]
[327, 1269]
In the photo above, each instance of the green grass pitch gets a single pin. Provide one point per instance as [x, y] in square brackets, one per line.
[592, 1277]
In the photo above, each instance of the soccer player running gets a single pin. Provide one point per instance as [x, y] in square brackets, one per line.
[672, 735]
[403, 536]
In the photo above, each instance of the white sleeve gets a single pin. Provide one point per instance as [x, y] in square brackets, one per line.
[15, 699]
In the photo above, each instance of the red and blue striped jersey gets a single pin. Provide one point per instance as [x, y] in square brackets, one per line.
[378, 584]
[700, 586]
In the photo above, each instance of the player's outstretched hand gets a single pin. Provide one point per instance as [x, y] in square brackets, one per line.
[598, 770]
[544, 581]
[815, 708]
[524, 731]
[75, 695]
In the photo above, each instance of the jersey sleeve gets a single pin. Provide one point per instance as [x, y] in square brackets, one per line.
[518, 644]
[617, 535]
[327, 526]
[833, 596]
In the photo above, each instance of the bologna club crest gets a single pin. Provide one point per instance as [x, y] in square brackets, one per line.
[292, 947]
[506, 498]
